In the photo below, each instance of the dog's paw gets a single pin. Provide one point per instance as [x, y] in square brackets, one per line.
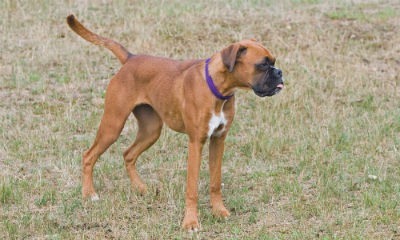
[194, 230]
[220, 211]
[95, 197]
[140, 188]
[190, 223]
[92, 197]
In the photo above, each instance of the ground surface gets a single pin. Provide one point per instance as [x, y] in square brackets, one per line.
[321, 160]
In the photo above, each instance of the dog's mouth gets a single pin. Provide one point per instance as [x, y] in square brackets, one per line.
[277, 89]
[269, 92]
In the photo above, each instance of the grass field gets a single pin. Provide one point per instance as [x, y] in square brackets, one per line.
[321, 160]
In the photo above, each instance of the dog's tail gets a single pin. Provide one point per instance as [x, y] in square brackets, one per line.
[120, 51]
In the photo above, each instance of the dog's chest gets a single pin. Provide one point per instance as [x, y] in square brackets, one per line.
[216, 125]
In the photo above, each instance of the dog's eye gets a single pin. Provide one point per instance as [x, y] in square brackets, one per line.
[263, 66]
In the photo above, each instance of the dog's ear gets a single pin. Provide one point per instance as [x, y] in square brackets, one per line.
[231, 54]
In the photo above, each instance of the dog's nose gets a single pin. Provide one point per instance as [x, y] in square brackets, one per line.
[278, 72]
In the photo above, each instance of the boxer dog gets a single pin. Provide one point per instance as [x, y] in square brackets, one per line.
[195, 97]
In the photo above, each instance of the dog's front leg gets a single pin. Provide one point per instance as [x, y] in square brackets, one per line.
[215, 164]
[190, 221]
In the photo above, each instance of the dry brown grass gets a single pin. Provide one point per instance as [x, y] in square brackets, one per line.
[300, 165]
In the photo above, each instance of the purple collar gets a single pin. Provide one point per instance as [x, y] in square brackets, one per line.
[212, 86]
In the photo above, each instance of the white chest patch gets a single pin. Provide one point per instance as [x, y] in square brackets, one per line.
[216, 122]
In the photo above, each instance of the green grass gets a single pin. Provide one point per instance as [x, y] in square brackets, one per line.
[296, 166]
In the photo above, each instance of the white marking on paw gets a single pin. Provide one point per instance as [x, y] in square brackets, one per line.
[191, 231]
[95, 197]
[372, 177]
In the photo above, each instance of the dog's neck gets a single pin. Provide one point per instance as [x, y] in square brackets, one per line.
[217, 83]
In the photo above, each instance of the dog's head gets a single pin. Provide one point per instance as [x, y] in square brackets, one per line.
[252, 66]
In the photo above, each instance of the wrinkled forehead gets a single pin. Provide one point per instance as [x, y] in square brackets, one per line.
[259, 51]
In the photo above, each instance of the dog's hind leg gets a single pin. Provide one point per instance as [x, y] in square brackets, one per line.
[150, 125]
[116, 111]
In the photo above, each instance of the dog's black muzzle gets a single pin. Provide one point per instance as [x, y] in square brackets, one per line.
[272, 84]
